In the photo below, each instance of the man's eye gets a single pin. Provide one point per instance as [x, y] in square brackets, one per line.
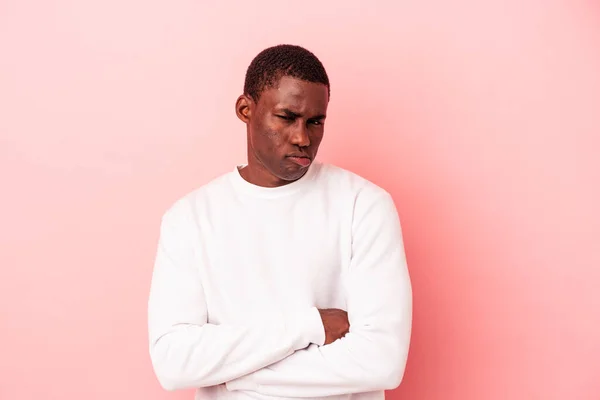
[316, 122]
[285, 117]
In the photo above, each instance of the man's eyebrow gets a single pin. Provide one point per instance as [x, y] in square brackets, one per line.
[293, 114]
[290, 113]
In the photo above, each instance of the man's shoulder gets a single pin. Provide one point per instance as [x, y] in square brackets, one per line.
[369, 200]
[345, 180]
[206, 192]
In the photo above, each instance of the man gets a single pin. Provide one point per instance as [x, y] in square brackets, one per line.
[286, 277]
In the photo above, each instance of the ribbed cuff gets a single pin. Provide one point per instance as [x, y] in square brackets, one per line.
[310, 327]
[316, 327]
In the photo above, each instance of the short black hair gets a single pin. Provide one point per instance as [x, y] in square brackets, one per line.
[273, 63]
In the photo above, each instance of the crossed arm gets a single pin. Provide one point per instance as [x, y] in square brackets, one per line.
[286, 357]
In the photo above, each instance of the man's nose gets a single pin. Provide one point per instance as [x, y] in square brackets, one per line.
[300, 135]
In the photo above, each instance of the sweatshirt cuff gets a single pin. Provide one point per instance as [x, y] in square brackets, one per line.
[308, 328]
[314, 327]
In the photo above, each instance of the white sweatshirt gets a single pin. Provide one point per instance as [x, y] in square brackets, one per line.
[239, 275]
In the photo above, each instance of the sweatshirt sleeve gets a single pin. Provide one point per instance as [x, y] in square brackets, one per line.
[188, 352]
[373, 355]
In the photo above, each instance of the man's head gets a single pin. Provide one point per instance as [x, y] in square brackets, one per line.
[286, 93]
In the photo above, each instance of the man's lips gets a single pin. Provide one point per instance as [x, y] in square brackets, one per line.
[301, 161]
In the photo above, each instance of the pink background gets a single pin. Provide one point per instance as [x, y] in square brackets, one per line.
[482, 118]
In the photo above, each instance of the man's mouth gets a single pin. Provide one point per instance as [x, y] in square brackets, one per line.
[301, 161]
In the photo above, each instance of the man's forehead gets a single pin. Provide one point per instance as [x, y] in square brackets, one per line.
[295, 85]
[294, 91]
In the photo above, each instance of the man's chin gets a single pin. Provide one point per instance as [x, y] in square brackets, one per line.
[291, 176]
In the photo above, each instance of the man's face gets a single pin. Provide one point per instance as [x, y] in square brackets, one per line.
[285, 128]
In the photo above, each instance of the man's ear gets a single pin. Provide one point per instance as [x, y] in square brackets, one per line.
[243, 108]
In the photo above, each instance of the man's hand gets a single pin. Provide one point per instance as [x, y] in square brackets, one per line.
[335, 322]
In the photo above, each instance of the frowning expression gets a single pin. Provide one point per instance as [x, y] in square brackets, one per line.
[285, 128]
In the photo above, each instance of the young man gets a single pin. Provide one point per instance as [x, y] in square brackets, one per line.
[286, 277]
